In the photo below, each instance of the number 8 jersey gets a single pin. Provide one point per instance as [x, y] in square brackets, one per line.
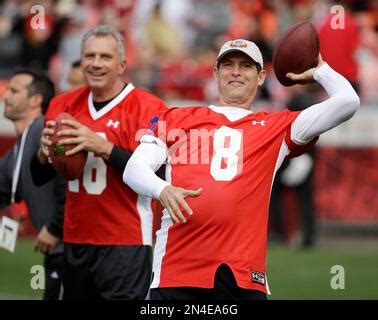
[100, 209]
[233, 155]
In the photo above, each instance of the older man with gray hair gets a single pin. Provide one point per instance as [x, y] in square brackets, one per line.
[108, 228]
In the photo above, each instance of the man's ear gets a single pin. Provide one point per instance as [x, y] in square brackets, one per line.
[36, 100]
[122, 67]
[261, 78]
[215, 72]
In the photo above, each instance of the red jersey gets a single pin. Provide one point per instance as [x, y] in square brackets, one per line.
[235, 165]
[100, 209]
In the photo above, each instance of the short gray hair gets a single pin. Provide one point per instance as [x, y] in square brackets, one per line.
[103, 31]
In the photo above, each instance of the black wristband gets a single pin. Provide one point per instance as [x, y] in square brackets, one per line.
[118, 158]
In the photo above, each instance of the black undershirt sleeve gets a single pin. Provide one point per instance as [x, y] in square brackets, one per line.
[41, 173]
[118, 158]
[161, 172]
[55, 226]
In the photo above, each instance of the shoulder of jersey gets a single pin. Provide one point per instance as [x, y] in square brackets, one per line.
[72, 94]
[272, 114]
[190, 109]
[142, 94]
[260, 115]
[280, 115]
[186, 112]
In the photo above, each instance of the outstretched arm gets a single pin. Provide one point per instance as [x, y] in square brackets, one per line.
[342, 103]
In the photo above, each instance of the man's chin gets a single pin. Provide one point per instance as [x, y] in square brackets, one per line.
[96, 83]
[236, 95]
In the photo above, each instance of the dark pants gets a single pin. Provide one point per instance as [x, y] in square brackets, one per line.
[106, 272]
[225, 288]
[307, 212]
[304, 196]
[53, 276]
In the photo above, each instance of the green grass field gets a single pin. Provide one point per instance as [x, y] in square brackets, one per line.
[306, 274]
[15, 275]
[292, 274]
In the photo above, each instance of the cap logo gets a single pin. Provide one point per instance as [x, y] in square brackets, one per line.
[238, 44]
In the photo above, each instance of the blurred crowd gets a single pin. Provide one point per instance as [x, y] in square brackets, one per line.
[171, 45]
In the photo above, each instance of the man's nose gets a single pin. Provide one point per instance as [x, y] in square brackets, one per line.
[6, 95]
[236, 70]
[97, 62]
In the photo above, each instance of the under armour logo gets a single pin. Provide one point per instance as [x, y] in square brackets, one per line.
[262, 122]
[112, 123]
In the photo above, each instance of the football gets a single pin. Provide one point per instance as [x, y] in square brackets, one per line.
[71, 167]
[296, 51]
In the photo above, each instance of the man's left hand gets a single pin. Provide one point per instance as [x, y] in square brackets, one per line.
[173, 199]
[45, 241]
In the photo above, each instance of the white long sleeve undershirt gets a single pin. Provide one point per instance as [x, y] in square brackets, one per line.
[140, 170]
[342, 103]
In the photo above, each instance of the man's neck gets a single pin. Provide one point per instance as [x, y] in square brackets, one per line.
[105, 94]
[21, 124]
[244, 102]
[247, 105]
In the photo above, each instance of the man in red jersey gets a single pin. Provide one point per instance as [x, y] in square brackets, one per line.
[222, 159]
[107, 227]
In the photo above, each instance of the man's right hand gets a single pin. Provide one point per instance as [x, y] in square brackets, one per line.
[308, 75]
[43, 152]
[173, 199]
[45, 241]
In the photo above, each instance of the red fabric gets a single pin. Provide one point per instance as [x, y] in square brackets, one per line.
[346, 184]
[100, 209]
[186, 79]
[338, 46]
[297, 150]
[229, 221]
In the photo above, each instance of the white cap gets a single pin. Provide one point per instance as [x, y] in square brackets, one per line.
[245, 46]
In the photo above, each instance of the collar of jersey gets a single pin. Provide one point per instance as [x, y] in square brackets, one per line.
[231, 113]
[98, 114]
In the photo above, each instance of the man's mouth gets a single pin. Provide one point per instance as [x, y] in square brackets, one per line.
[96, 74]
[235, 83]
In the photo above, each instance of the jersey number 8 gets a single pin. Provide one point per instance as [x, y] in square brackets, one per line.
[228, 153]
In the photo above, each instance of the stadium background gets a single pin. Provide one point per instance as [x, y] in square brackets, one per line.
[170, 50]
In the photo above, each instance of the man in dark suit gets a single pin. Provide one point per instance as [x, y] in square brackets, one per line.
[26, 100]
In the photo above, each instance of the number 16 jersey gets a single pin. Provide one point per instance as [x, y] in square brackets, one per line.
[100, 209]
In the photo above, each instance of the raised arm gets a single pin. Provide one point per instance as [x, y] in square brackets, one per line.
[342, 103]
